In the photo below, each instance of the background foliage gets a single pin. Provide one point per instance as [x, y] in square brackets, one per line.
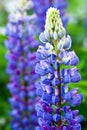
[77, 30]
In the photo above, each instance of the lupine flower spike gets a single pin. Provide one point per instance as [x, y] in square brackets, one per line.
[21, 61]
[41, 6]
[53, 109]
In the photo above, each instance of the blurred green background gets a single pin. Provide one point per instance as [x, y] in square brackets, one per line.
[76, 12]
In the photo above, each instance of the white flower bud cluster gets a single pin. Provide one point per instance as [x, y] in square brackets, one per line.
[54, 28]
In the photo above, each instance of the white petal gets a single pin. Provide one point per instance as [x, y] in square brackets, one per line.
[42, 38]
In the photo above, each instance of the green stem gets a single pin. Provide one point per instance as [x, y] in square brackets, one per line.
[56, 46]
[59, 86]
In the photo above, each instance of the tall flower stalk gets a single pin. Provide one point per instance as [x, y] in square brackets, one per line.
[21, 61]
[55, 59]
[41, 6]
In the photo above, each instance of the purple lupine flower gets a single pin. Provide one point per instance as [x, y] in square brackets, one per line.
[41, 6]
[21, 61]
[53, 108]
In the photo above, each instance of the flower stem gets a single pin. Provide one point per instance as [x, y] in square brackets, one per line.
[60, 95]
[51, 1]
[59, 86]
[25, 83]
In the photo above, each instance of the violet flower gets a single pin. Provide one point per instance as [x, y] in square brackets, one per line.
[53, 108]
[21, 61]
[41, 6]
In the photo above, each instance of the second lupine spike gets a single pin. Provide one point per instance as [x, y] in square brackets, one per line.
[52, 88]
[21, 61]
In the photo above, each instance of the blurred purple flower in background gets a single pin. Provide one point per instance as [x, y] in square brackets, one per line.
[55, 59]
[41, 6]
[21, 61]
